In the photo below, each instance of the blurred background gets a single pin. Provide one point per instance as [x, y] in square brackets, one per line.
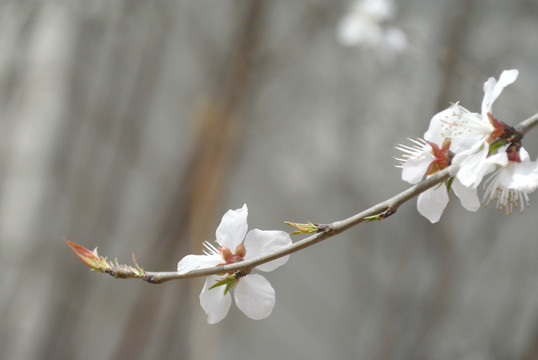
[134, 125]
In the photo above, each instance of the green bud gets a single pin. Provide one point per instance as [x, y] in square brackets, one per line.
[449, 183]
[303, 228]
[228, 281]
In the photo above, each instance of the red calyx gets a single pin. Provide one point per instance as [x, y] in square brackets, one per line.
[442, 157]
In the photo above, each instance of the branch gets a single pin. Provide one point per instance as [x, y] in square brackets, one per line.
[383, 210]
[527, 124]
[330, 230]
[376, 212]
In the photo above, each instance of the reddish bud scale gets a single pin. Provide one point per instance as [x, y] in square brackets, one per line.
[90, 258]
[503, 131]
[240, 251]
[499, 129]
[225, 253]
[231, 258]
[442, 157]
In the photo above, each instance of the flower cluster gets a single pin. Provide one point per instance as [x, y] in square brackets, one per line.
[478, 144]
[253, 294]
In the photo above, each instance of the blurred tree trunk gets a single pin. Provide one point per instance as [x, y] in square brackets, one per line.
[134, 125]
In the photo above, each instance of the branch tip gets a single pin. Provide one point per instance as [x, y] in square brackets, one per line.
[90, 258]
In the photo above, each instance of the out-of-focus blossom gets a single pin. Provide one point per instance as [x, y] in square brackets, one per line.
[366, 25]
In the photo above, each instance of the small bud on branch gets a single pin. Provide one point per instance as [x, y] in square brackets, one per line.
[99, 263]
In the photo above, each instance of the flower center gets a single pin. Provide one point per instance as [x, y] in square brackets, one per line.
[463, 123]
[507, 199]
[442, 155]
[232, 258]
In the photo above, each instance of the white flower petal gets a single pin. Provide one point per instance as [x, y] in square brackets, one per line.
[378, 10]
[439, 121]
[490, 164]
[432, 202]
[255, 296]
[474, 166]
[523, 154]
[415, 168]
[213, 301]
[363, 25]
[359, 30]
[521, 176]
[469, 161]
[260, 242]
[463, 127]
[193, 262]
[493, 88]
[233, 228]
[415, 160]
[468, 195]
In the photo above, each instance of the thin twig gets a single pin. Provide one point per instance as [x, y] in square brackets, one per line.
[383, 209]
[527, 124]
[332, 229]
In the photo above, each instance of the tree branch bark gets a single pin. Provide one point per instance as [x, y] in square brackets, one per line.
[381, 210]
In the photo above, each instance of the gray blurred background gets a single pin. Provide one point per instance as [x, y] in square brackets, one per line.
[134, 125]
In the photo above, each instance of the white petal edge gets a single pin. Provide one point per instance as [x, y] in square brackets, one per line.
[475, 166]
[469, 162]
[255, 296]
[415, 167]
[493, 88]
[468, 195]
[194, 262]
[214, 302]
[432, 202]
[232, 228]
[521, 176]
[263, 242]
[523, 155]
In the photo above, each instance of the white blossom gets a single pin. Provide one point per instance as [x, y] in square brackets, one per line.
[365, 25]
[466, 128]
[415, 161]
[471, 133]
[432, 202]
[475, 164]
[424, 159]
[510, 184]
[253, 294]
